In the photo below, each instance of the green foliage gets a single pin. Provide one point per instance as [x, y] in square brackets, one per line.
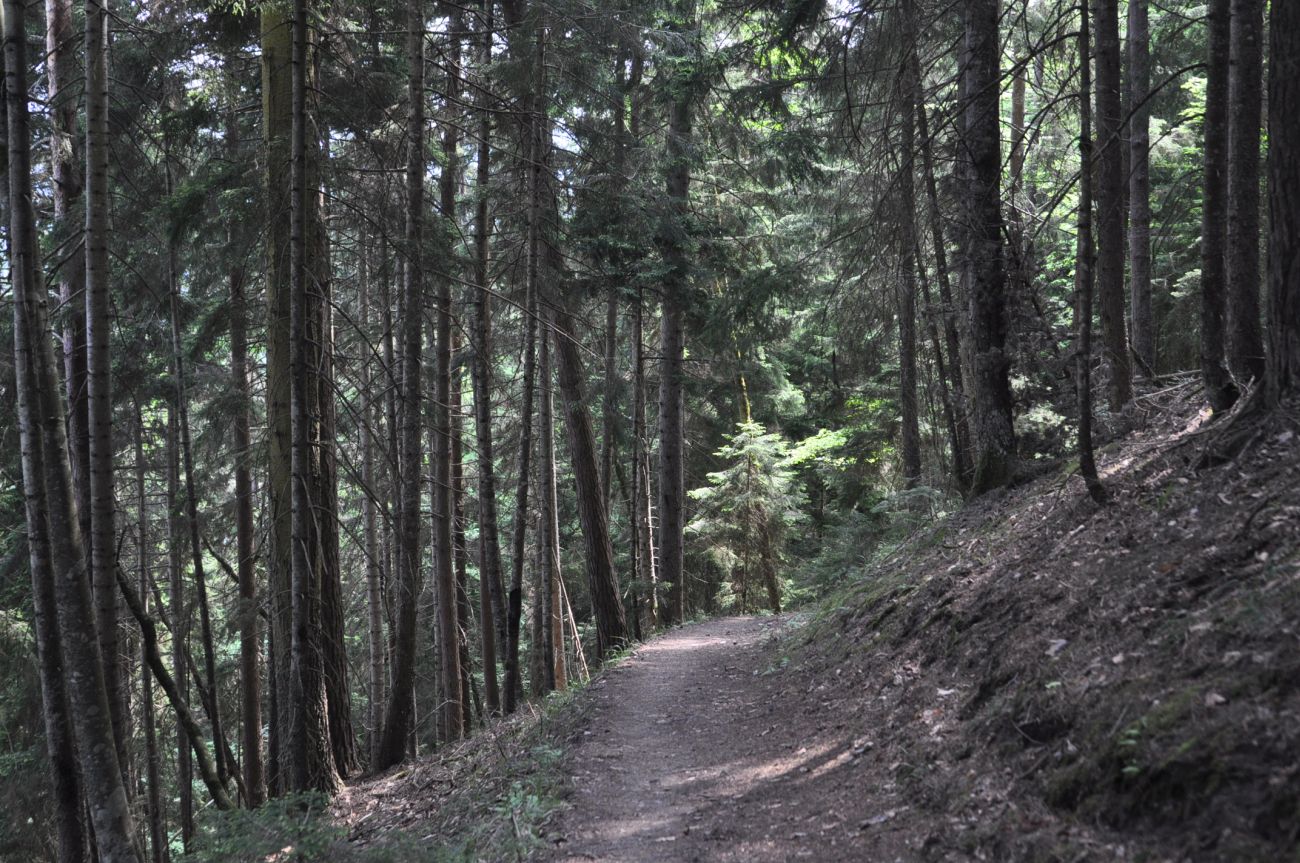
[746, 513]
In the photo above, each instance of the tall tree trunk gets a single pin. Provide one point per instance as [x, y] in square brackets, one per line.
[906, 291]
[994, 439]
[459, 547]
[310, 754]
[60, 747]
[180, 614]
[99, 367]
[374, 574]
[672, 450]
[549, 571]
[533, 173]
[54, 534]
[1283, 375]
[491, 585]
[1139, 188]
[338, 692]
[948, 307]
[398, 712]
[1219, 388]
[602, 578]
[181, 395]
[277, 120]
[1083, 271]
[1245, 336]
[250, 674]
[152, 765]
[1110, 204]
[643, 557]
[444, 571]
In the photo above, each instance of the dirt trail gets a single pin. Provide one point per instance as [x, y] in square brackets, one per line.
[693, 753]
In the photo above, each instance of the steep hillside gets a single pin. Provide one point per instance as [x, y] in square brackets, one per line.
[1041, 678]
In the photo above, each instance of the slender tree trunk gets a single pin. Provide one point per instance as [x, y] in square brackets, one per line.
[961, 449]
[460, 548]
[1083, 284]
[152, 766]
[906, 291]
[180, 614]
[399, 710]
[1246, 337]
[444, 571]
[1283, 374]
[209, 685]
[602, 578]
[54, 534]
[1110, 198]
[1219, 388]
[994, 439]
[672, 468]
[66, 189]
[99, 384]
[549, 576]
[643, 559]
[250, 675]
[374, 574]
[491, 585]
[1139, 189]
[207, 764]
[513, 676]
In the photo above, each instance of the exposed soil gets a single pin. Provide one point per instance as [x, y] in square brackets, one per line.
[694, 750]
[1034, 679]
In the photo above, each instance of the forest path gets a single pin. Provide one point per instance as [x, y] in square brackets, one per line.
[692, 752]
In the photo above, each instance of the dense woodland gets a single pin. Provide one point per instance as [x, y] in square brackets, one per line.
[378, 368]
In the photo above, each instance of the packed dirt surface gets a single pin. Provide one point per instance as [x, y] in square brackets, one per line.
[694, 750]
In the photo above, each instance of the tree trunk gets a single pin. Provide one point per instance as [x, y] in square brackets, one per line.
[643, 557]
[994, 439]
[906, 291]
[1283, 376]
[374, 574]
[672, 468]
[398, 712]
[491, 588]
[513, 677]
[444, 571]
[602, 579]
[181, 395]
[250, 675]
[1083, 271]
[1110, 200]
[152, 766]
[57, 555]
[180, 614]
[1219, 388]
[1245, 336]
[310, 755]
[1139, 189]
[952, 340]
[549, 577]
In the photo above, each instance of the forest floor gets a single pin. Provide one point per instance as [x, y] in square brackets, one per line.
[1035, 678]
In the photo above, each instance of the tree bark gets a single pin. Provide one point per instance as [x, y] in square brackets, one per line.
[57, 554]
[1139, 189]
[398, 712]
[906, 290]
[1283, 375]
[674, 239]
[180, 614]
[1083, 272]
[994, 439]
[1110, 200]
[1219, 388]
[491, 588]
[1245, 335]
[152, 765]
[444, 572]
[250, 674]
